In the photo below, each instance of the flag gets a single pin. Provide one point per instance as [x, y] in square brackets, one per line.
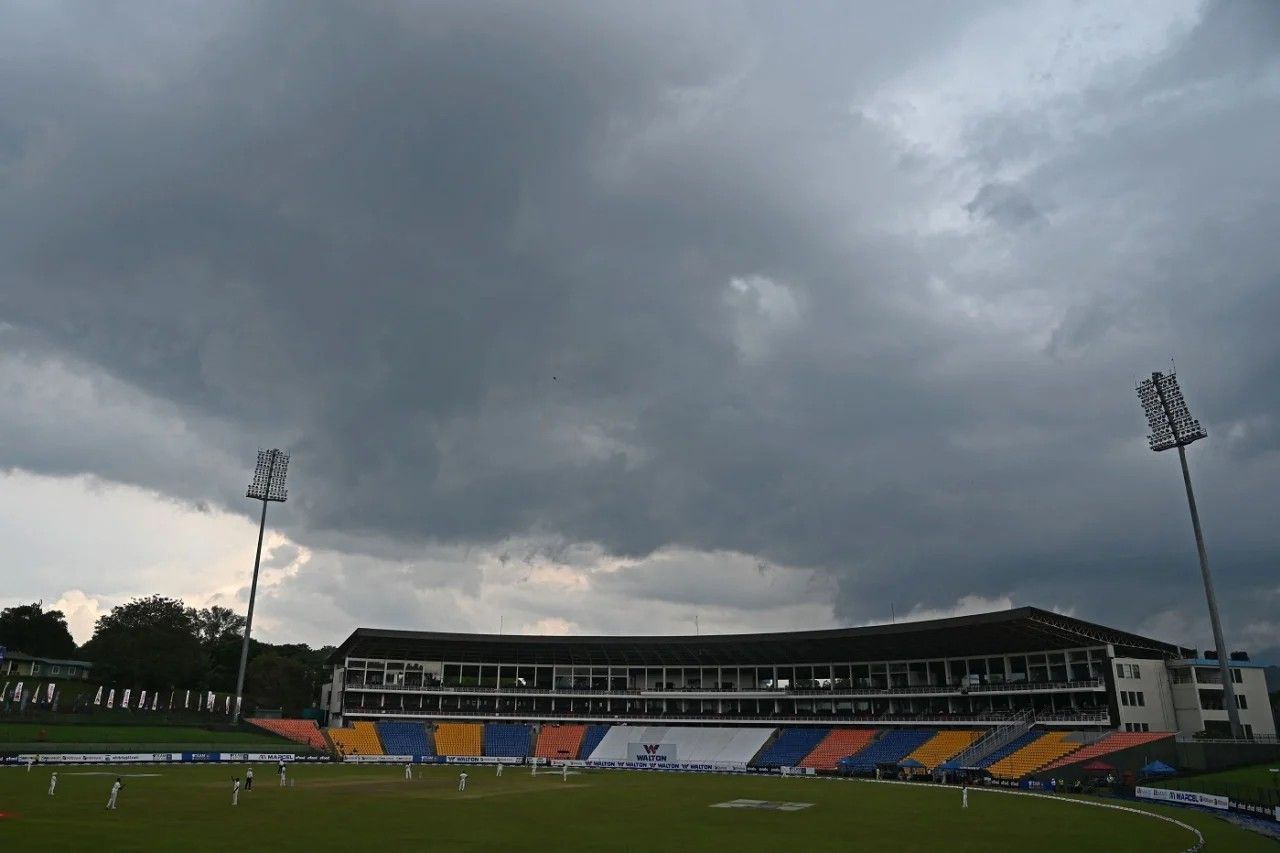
[186, 703]
[111, 697]
[97, 697]
[155, 697]
[50, 699]
[17, 692]
[237, 706]
[208, 704]
[124, 700]
[226, 705]
[142, 700]
[170, 705]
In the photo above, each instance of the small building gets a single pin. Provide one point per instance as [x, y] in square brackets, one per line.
[18, 663]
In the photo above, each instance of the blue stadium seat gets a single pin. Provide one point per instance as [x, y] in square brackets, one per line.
[404, 739]
[591, 740]
[1010, 748]
[896, 745]
[791, 747]
[508, 740]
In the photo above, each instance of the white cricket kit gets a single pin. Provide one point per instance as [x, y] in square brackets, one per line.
[499, 773]
[235, 792]
[115, 792]
[53, 784]
[462, 781]
[564, 772]
[408, 771]
[964, 797]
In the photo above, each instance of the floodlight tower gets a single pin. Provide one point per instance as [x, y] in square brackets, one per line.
[1172, 426]
[267, 486]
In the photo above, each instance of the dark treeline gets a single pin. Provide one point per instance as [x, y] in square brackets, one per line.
[159, 643]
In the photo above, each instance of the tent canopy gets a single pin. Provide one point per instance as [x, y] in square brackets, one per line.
[1158, 768]
[1098, 766]
[910, 762]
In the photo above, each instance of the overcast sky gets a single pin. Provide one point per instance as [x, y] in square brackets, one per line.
[583, 317]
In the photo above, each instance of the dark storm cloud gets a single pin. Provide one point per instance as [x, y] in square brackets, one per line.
[618, 274]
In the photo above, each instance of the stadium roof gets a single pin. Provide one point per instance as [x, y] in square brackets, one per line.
[1023, 629]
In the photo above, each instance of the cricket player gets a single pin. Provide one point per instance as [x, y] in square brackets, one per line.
[964, 797]
[53, 783]
[499, 773]
[408, 770]
[248, 779]
[115, 793]
[235, 790]
[564, 772]
[280, 769]
[462, 781]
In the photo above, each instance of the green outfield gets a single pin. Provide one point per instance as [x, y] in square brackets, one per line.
[1258, 775]
[334, 807]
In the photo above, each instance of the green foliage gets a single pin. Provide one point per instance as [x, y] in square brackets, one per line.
[276, 681]
[32, 629]
[150, 642]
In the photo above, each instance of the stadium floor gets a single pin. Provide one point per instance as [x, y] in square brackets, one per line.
[174, 807]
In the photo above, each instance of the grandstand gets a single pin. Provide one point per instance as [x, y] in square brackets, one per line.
[890, 749]
[790, 748]
[559, 741]
[840, 743]
[298, 731]
[404, 738]
[507, 740]
[1108, 745]
[1044, 750]
[360, 739]
[591, 739]
[942, 746]
[459, 739]
[717, 745]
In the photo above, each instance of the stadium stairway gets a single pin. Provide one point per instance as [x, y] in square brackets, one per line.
[942, 746]
[360, 739]
[298, 731]
[1113, 742]
[559, 742]
[895, 745]
[1033, 757]
[404, 738]
[507, 740]
[791, 747]
[841, 743]
[591, 739]
[459, 739]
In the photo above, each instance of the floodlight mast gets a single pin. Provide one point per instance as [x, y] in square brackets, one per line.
[268, 485]
[1172, 426]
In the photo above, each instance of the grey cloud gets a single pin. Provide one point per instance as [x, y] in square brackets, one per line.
[470, 264]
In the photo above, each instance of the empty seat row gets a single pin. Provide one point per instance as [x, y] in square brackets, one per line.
[942, 746]
[891, 748]
[506, 740]
[459, 739]
[298, 731]
[1034, 756]
[561, 742]
[841, 743]
[360, 739]
[791, 746]
[400, 738]
[1113, 742]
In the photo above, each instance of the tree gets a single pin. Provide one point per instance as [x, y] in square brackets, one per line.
[221, 631]
[215, 624]
[30, 628]
[150, 642]
[276, 681]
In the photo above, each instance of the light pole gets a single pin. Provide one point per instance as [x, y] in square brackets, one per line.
[1172, 426]
[267, 486]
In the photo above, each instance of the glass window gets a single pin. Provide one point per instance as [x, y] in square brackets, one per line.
[1242, 703]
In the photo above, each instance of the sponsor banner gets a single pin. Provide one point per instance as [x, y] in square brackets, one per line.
[255, 756]
[692, 767]
[101, 757]
[377, 759]
[481, 759]
[1188, 798]
[1254, 809]
[656, 753]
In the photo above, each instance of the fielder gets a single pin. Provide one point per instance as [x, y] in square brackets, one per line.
[248, 779]
[280, 769]
[235, 791]
[53, 783]
[964, 797]
[115, 793]
[462, 781]
[408, 770]
[499, 773]
[564, 772]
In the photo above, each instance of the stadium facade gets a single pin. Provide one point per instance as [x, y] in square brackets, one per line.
[964, 672]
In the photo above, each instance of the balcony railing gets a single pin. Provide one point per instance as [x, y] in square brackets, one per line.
[742, 692]
[1084, 717]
